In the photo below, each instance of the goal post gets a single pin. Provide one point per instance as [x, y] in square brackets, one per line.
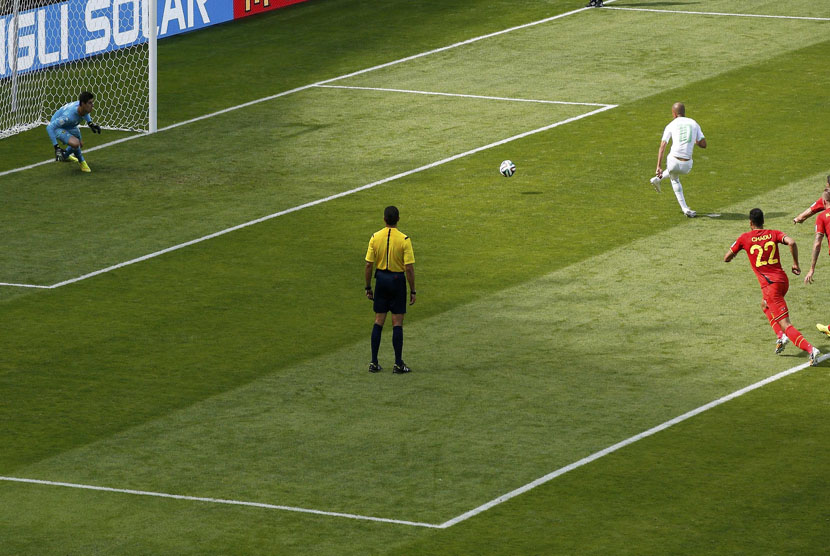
[51, 50]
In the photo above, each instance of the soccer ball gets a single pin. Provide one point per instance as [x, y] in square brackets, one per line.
[507, 168]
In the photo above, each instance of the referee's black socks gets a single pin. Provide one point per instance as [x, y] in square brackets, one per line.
[397, 343]
[376, 332]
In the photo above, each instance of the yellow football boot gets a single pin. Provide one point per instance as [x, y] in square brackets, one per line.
[85, 167]
[824, 329]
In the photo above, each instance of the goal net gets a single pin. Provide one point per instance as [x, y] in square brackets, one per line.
[51, 50]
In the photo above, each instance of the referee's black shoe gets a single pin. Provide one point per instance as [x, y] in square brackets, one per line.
[375, 368]
[401, 368]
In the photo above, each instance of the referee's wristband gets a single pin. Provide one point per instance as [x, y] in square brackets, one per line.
[368, 288]
[412, 292]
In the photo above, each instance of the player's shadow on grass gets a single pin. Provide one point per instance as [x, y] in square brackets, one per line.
[745, 215]
[530, 193]
[297, 129]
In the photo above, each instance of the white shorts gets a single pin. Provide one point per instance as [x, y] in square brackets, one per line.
[677, 167]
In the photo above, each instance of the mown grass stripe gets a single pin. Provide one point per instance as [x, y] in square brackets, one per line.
[619, 445]
[316, 202]
[458, 519]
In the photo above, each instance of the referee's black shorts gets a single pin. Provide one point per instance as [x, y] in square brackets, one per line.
[390, 292]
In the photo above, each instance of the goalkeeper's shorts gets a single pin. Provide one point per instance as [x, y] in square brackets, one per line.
[63, 135]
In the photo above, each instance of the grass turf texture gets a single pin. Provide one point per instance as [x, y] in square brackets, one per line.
[139, 344]
[178, 199]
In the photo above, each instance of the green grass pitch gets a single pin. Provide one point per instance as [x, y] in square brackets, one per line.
[560, 311]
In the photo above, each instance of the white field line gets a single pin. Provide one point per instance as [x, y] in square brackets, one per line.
[320, 201]
[89, 150]
[24, 285]
[304, 87]
[509, 99]
[218, 501]
[463, 517]
[721, 14]
[611, 449]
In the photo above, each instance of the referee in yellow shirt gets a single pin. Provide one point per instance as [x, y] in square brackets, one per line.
[390, 251]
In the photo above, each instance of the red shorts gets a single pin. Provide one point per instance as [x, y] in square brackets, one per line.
[774, 296]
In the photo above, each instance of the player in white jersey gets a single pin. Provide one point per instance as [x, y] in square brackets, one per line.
[684, 134]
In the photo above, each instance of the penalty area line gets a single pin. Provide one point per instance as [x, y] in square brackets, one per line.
[454, 521]
[718, 13]
[217, 501]
[10, 284]
[329, 198]
[611, 449]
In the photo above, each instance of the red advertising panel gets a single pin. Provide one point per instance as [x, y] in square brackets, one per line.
[242, 8]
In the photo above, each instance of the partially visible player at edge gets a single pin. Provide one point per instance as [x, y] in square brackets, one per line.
[822, 229]
[821, 204]
[64, 127]
[390, 252]
[761, 246]
[684, 134]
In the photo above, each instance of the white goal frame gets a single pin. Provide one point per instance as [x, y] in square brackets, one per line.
[45, 41]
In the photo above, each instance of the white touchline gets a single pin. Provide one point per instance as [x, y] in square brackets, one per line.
[318, 201]
[483, 97]
[218, 501]
[722, 14]
[466, 515]
[596, 455]
[304, 87]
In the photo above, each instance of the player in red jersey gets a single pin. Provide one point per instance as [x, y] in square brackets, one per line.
[822, 229]
[761, 246]
[822, 204]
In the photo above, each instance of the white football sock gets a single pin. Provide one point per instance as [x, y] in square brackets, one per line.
[678, 192]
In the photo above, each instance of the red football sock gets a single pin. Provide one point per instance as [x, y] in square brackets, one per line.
[779, 332]
[796, 338]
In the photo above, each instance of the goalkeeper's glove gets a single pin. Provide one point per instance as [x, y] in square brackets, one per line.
[58, 153]
[94, 127]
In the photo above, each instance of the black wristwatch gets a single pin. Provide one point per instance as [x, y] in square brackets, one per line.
[412, 292]
[368, 288]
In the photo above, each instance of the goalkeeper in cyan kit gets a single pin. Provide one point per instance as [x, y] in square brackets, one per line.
[64, 128]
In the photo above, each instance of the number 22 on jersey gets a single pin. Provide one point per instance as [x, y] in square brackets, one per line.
[770, 248]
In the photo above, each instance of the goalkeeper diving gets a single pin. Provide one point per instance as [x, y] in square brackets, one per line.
[64, 128]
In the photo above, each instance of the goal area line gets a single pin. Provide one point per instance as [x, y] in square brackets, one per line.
[455, 520]
[459, 95]
[317, 84]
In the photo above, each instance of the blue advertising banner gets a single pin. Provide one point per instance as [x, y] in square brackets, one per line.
[57, 33]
